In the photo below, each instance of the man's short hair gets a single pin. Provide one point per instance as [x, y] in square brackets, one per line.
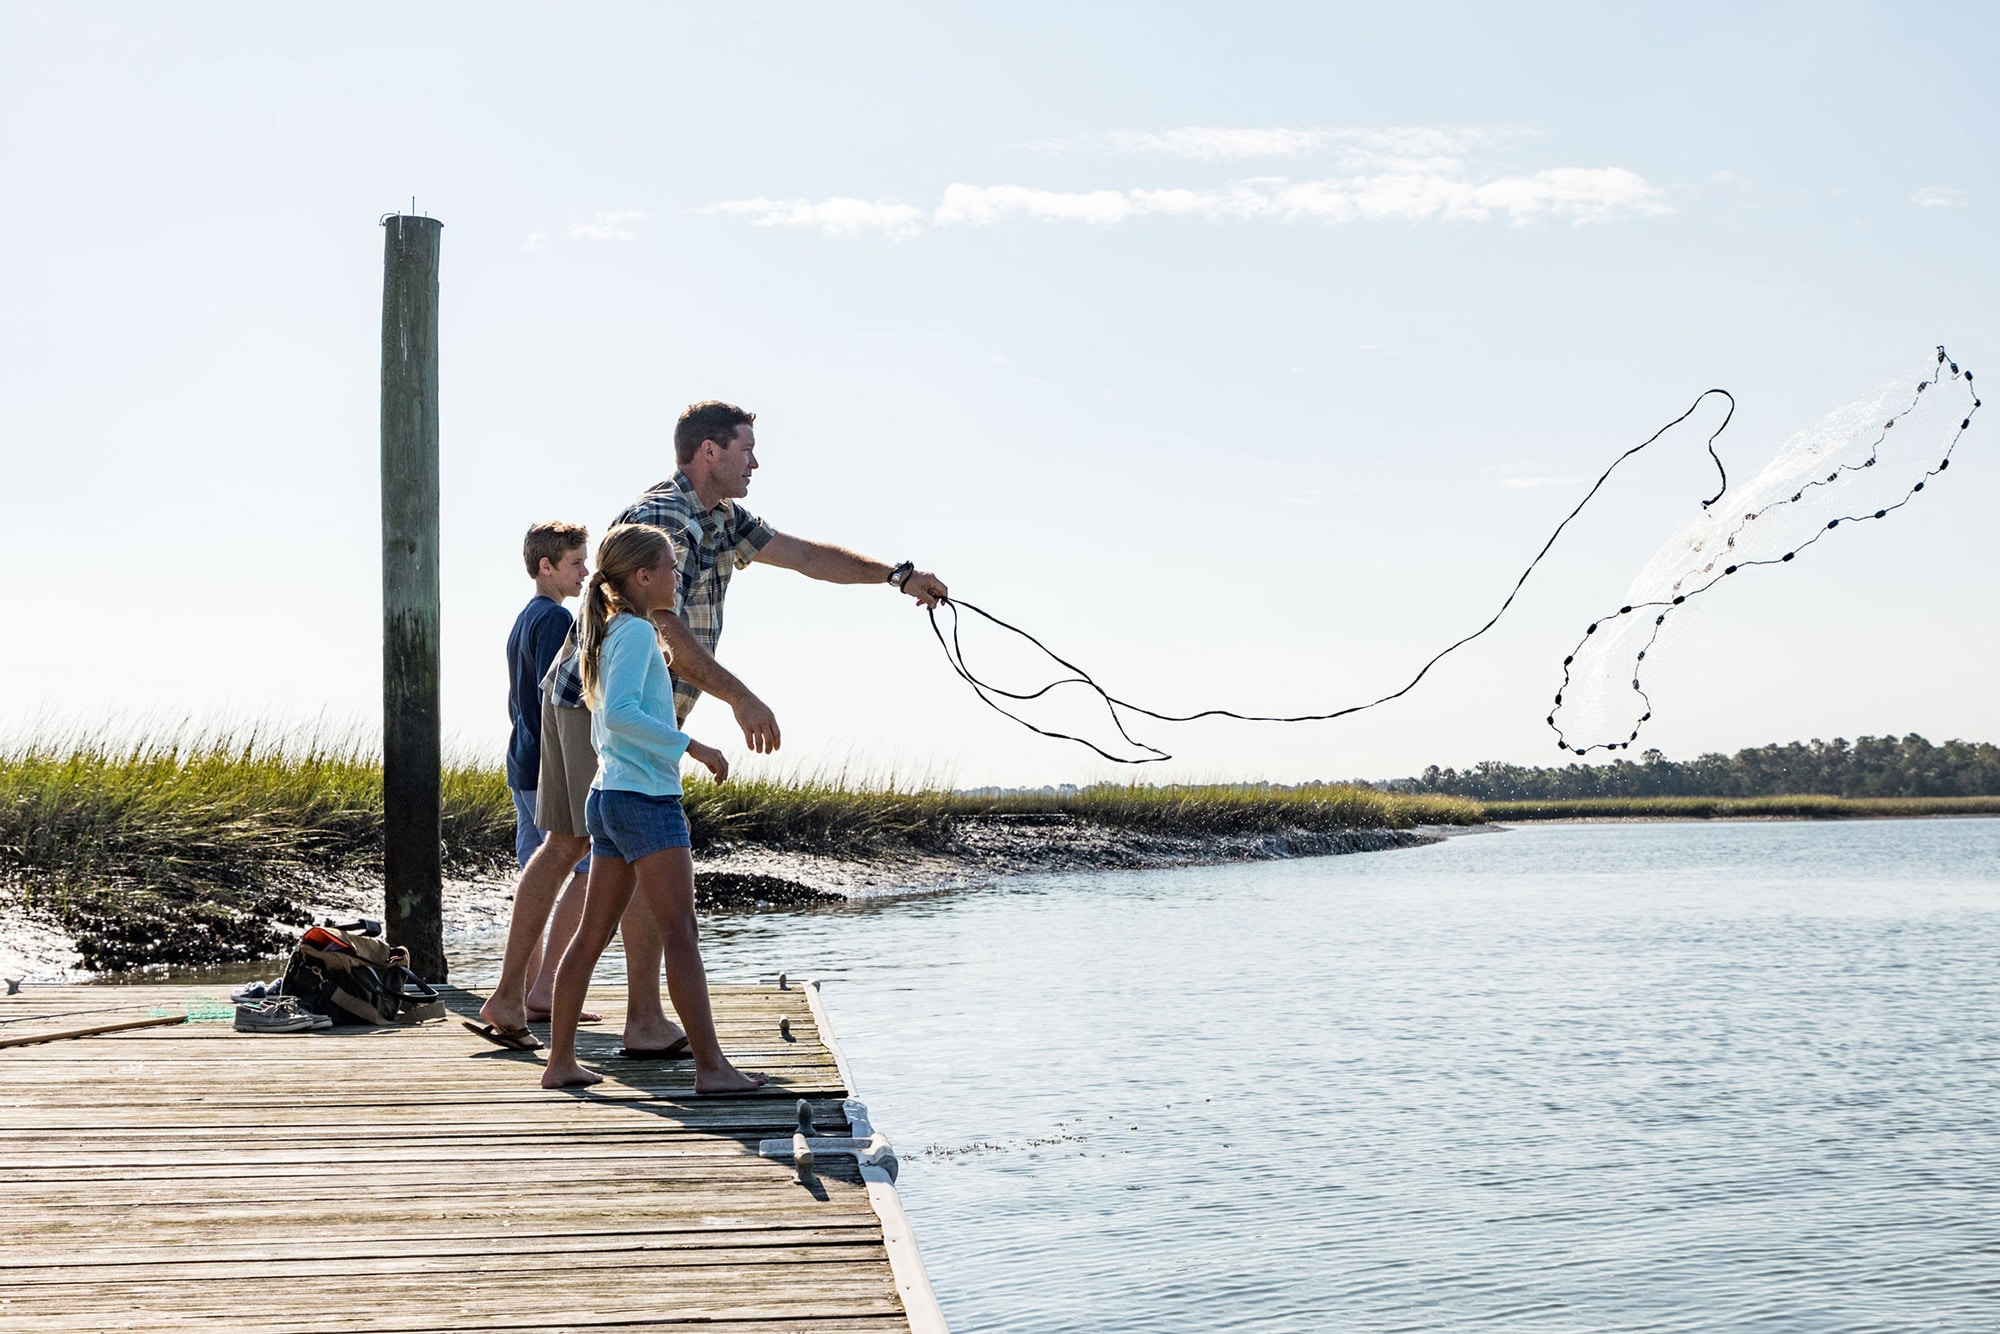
[552, 540]
[713, 420]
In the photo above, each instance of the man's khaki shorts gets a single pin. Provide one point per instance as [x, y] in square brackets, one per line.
[568, 765]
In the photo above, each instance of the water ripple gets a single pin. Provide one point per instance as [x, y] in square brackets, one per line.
[1591, 1078]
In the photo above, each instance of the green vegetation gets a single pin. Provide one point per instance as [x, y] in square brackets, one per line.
[1212, 810]
[840, 816]
[199, 847]
[207, 848]
[1869, 767]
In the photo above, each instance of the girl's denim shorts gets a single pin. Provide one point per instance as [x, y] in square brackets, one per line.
[631, 825]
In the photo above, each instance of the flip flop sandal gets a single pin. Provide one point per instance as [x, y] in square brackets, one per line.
[763, 1090]
[679, 1051]
[513, 1039]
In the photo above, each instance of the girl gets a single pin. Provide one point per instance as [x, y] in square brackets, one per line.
[638, 833]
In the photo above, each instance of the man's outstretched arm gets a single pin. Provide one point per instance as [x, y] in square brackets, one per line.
[837, 565]
[697, 666]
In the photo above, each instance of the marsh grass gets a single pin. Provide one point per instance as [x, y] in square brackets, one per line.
[195, 847]
[828, 814]
[207, 847]
[842, 815]
[219, 810]
[199, 848]
[1224, 810]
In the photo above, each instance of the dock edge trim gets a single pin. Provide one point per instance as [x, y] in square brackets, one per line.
[906, 1262]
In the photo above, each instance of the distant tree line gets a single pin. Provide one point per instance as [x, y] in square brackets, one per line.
[1870, 766]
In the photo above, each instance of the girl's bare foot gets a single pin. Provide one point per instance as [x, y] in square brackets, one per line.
[727, 1079]
[570, 1075]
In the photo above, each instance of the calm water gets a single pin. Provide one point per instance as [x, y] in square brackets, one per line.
[1611, 1077]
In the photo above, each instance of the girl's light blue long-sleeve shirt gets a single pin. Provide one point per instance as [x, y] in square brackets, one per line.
[632, 727]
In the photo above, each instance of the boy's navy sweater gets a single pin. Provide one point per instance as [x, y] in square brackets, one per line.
[532, 645]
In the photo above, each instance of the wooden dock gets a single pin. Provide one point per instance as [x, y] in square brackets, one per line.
[418, 1179]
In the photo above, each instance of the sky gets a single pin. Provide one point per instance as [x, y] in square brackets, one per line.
[1244, 353]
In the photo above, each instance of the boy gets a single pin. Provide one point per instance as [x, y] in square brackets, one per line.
[554, 555]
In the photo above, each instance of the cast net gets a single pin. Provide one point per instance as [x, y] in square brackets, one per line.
[1860, 464]
[1864, 463]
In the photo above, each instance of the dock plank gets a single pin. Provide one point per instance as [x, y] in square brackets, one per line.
[193, 1178]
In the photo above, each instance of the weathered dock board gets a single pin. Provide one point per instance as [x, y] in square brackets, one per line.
[195, 1178]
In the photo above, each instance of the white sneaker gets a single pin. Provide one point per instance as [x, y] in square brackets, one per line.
[319, 1020]
[280, 1014]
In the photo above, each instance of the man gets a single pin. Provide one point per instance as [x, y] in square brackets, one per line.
[716, 447]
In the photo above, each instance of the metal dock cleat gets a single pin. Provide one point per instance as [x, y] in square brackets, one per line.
[803, 1149]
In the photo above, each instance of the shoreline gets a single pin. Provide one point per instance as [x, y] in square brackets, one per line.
[1796, 807]
[1854, 817]
[749, 878]
[987, 848]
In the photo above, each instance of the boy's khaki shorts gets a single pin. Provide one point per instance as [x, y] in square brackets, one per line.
[568, 765]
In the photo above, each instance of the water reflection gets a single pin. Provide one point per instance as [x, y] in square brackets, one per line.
[1649, 1077]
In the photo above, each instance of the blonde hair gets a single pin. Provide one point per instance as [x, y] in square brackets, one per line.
[626, 549]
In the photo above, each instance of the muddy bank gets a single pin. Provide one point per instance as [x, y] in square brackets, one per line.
[986, 848]
[117, 931]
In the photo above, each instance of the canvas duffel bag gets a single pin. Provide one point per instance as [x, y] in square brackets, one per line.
[357, 979]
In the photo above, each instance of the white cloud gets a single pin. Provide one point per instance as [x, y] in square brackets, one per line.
[1941, 196]
[608, 227]
[983, 206]
[1577, 194]
[1397, 174]
[839, 216]
[1391, 148]
[535, 241]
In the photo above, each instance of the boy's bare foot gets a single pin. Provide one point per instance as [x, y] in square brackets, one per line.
[728, 1079]
[570, 1075]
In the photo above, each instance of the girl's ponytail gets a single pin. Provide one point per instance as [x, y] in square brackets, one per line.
[626, 548]
[597, 614]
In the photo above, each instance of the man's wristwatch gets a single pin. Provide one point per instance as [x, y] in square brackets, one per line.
[901, 574]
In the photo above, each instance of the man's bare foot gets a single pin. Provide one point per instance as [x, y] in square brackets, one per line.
[727, 1079]
[540, 1014]
[652, 1037]
[567, 1076]
[503, 1017]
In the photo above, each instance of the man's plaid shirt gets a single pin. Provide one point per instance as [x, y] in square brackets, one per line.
[711, 545]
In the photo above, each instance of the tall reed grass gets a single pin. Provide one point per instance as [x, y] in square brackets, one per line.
[193, 847]
[1213, 810]
[219, 809]
[204, 847]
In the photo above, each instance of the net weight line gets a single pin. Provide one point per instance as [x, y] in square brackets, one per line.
[1116, 708]
[1665, 607]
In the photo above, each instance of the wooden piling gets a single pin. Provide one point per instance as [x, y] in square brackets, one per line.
[411, 741]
